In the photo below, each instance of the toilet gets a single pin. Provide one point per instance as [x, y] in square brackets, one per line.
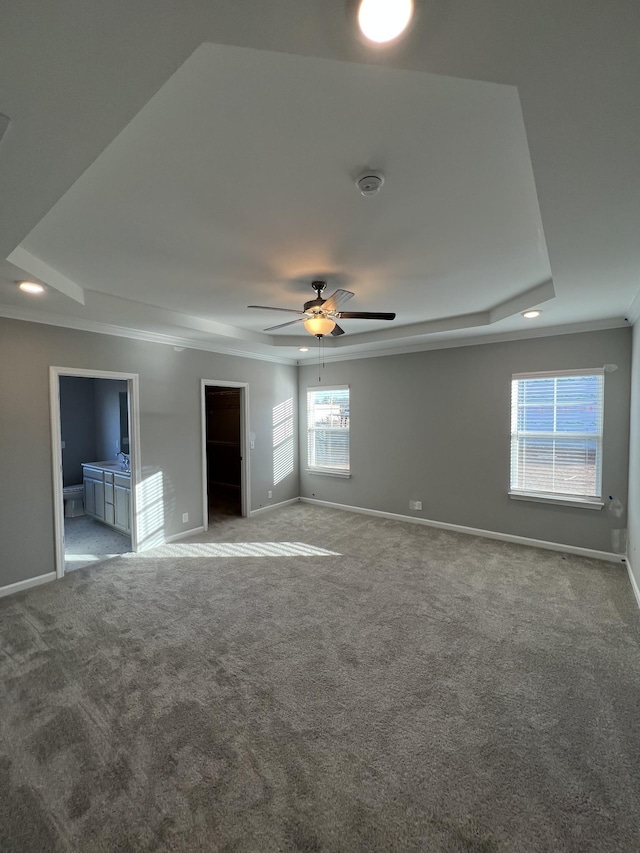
[73, 501]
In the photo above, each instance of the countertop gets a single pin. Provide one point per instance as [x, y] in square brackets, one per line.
[110, 465]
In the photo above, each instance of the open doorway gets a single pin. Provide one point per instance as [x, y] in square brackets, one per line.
[95, 452]
[225, 464]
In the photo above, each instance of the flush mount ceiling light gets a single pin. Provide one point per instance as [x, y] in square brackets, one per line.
[30, 287]
[303, 349]
[384, 20]
[531, 315]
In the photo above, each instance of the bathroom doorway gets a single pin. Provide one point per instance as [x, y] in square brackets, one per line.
[95, 451]
[224, 454]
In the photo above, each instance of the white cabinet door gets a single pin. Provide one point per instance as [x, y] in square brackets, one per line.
[89, 496]
[122, 504]
[98, 489]
[107, 498]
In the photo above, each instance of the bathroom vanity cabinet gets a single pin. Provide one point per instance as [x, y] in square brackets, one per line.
[107, 494]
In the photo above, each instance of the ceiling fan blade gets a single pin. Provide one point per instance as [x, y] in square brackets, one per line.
[282, 325]
[364, 315]
[333, 302]
[271, 308]
[337, 331]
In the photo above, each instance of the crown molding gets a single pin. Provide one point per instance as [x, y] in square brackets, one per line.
[476, 340]
[13, 313]
[330, 356]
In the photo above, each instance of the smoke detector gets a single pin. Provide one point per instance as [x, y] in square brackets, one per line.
[370, 182]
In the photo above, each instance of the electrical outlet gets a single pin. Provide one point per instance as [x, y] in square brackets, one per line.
[269, 494]
[415, 504]
[185, 517]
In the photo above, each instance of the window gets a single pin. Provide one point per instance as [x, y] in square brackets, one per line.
[328, 430]
[556, 435]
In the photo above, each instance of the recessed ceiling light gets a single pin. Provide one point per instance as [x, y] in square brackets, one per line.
[303, 349]
[384, 20]
[30, 287]
[531, 315]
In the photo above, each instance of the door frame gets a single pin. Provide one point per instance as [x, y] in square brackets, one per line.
[244, 444]
[133, 390]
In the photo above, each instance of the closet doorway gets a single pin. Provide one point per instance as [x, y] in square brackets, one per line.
[225, 463]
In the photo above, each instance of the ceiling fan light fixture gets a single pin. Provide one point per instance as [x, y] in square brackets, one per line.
[384, 20]
[319, 325]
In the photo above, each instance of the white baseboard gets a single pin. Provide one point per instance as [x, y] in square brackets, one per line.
[184, 534]
[20, 585]
[274, 506]
[634, 583]
[476, 531]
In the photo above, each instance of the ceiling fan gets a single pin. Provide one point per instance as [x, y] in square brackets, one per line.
[319, 315]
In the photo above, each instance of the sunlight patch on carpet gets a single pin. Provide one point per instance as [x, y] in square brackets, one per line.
[89, 558]
[238, 549]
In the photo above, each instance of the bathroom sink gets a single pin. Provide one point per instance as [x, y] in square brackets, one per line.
[109, 465]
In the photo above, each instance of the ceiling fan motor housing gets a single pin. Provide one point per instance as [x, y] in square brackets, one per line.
[318, 286]
[370, 182]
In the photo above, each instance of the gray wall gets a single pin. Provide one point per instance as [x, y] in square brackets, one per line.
[633, 544]
[432, 426]
[170, 428]
[435, 426]
[78, 426]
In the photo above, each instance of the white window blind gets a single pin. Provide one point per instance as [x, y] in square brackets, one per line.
[328, 430]
[556, 433]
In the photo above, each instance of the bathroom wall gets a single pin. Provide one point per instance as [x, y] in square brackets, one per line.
[90, 422]
[107, 403]
[78, 426]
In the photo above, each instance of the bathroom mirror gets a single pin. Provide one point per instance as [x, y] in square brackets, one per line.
[124, 422]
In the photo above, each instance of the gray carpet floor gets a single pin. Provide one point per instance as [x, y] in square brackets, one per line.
[87, 541]
[313, 680]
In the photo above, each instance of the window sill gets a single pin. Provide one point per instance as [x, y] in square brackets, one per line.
[343, 474]
[558, 500]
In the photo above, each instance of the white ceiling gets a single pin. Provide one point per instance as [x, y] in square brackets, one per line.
[161, 172]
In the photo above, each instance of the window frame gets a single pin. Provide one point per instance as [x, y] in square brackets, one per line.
[557, 497]
[328, 471]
